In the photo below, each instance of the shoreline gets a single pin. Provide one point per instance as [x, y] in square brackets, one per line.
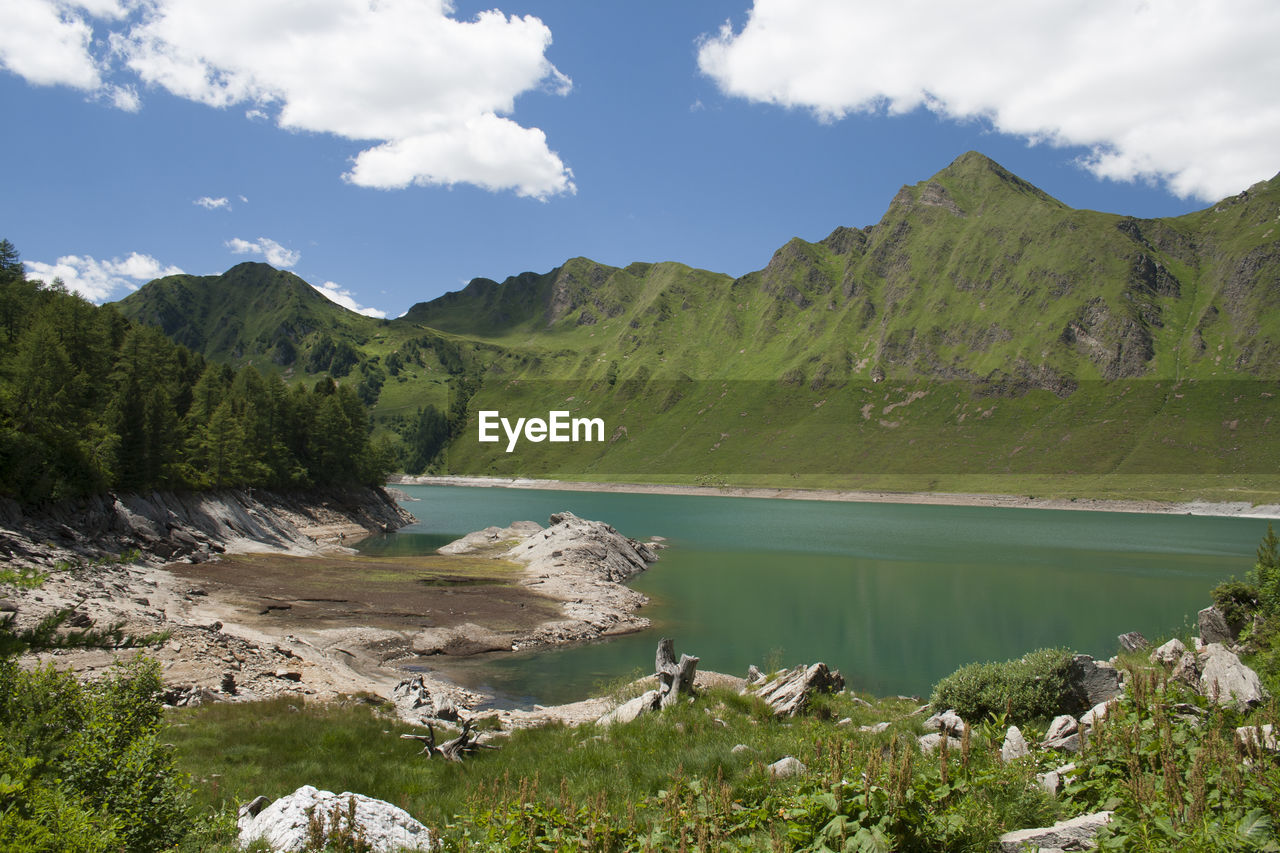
[1224, 509]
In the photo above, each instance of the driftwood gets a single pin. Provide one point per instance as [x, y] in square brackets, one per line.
[674, 678]
[454, 749]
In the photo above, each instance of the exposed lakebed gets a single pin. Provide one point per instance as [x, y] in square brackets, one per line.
[894, 595]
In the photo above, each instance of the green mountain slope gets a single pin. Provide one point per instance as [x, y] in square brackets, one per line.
[980, 329]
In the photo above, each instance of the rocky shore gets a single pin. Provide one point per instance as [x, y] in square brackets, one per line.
[581, 564]
[164, 527]
[1232, 509]
[224, 643]
[102, 559]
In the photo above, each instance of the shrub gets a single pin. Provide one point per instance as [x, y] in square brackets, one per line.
[1236, 601]
[1031, 687]
[81, 765]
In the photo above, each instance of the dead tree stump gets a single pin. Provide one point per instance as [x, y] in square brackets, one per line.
[451, 750]
[674, 679]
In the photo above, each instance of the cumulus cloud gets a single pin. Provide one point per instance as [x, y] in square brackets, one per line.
[1181, 91]
[97, 280]
[432, 93]
[273, 252]
[209, 203]
[346, 299]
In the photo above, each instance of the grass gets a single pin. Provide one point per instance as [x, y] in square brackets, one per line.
[235, 752]
[674, 782]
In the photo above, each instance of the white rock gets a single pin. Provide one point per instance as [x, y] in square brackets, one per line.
[1015, 745]
[1248, 736]
[930, 743]
[1052, 780]
[1075, 834]
[629, 710]
[948, 722]
[1095, 714]
[1061, 727]
[283, 824]
[784, 767]
[1170, 653]
[1230, 680]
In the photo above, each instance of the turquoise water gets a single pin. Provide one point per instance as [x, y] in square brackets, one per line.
[894, 595]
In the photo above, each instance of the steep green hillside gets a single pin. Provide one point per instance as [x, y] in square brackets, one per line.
[981, 334]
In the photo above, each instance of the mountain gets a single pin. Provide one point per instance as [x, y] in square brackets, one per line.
[980, 327]
[251, 311]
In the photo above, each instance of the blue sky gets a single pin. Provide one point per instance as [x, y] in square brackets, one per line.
[390, 151]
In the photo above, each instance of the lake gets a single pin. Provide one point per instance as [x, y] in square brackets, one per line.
[894, 595]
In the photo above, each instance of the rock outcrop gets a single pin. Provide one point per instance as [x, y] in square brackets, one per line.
[193, 526]
[1091, 682]
[1075, 834]
[1228, 681]
[283, 825]
[789, 691]
[580, 563]
[1214, 627]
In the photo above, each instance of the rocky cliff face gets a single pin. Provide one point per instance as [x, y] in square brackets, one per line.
[169, 526]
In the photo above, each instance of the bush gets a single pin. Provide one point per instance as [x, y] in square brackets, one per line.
[81, 765]
[1033, 687]
[1236, 601]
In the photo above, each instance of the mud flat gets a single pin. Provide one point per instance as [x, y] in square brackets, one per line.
[303, 615]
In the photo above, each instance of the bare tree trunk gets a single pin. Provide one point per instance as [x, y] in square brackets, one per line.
[674, 679]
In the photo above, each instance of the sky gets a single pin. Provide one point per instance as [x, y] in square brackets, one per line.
[388, 151]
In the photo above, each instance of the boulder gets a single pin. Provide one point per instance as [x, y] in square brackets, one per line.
[1063, 734]
[1061, 727]
[283, 825]
[1051, 780]
[1015, 745]
[1169, 654]
[1090, 682]
[650, 700]
[1095, 715]
[948, 722]
[1228, 681]
[1214, 628]
[1075, 834]
[1257, 738]
[788, 693]
[930, 743]
[1187, 670]
[1133, 641]
[786, 767]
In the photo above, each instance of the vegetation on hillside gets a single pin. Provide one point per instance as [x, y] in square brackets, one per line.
[90, 401]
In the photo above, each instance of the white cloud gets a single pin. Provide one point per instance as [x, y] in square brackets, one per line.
[48, 44]
[97, 280]
[275, 254]
[428, 93]
[346, 299]
[208, 203]
[1182, 91]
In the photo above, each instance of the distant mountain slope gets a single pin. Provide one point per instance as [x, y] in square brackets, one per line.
[972, 274]
[1014, 320]
[251, 310]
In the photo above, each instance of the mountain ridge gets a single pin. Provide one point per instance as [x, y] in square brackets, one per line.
[972, 277]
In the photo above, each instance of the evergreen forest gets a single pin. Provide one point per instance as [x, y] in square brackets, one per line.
[92, 402]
